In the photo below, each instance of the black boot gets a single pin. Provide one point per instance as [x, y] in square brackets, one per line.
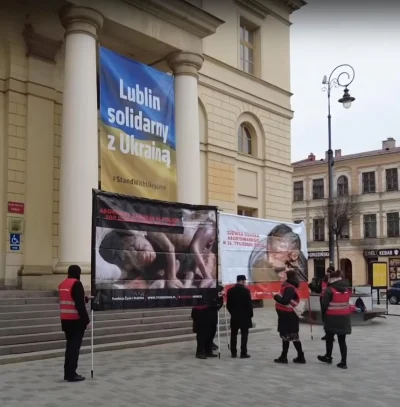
[301, 360]
[282, 360]
[201, 356]
[325, 359]
[342, 365]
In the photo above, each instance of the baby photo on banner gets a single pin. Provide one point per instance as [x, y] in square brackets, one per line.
[262, 250]
[137, 141]
[148, 253]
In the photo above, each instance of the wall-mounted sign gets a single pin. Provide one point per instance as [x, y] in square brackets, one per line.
[381, 253]
[16, 207]
[15, 224]
[318, 255]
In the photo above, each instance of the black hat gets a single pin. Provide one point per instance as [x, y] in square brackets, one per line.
[241, 277]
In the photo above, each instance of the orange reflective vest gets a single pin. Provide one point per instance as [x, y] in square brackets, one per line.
[324, 286]
[340, 304]
[293, 303]
[68, 309]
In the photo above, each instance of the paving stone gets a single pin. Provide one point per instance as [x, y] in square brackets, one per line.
[169, 375]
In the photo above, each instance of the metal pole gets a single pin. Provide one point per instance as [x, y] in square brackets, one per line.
[331, 236]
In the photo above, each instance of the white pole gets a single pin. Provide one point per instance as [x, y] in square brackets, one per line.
[91, 340]
[227, 328]
[219, 338]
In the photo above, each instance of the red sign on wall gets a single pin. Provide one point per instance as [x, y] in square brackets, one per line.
[16, 207]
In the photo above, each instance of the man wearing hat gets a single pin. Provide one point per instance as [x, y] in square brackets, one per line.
[240, 307]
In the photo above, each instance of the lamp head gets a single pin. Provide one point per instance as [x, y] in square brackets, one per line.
[347, 99]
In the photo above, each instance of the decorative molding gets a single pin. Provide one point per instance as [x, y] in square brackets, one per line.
[40, 46]
[261, 10]
[185, 63]
[181, 14]
[295, 4]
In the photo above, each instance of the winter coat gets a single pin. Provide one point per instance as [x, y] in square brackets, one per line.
[240, 306]
[336, 324]
[288, 322]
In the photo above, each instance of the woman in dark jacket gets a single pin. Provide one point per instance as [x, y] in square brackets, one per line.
[335, 306]
[288, 320]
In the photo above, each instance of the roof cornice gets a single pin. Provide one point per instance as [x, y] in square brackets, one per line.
[182, 14]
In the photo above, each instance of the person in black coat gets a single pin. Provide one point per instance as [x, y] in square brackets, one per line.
[75, 329]
[288, 320]
[205, 321]
[339, 325]
[240, 306]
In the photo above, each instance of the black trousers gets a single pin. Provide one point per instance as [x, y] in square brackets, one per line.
[74, 342]
[244, 332]
[205, 336]
[342, 345]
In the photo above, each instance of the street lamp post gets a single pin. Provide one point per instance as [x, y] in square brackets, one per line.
[336, 79]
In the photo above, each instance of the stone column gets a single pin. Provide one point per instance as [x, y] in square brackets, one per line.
[186, 66]
[79, 144]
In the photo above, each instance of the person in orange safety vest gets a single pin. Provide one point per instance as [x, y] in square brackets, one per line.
[288, 320]
[335, 306]
[74, 320]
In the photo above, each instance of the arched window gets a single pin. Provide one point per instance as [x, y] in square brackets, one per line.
[342, 186]
[245, 139]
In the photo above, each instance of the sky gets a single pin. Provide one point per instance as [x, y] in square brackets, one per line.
[366, 35]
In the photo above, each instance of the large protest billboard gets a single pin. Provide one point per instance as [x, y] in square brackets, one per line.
[137, 111]
[148, 253]
[262, 250]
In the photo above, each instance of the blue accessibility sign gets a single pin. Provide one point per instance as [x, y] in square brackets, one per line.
[15, 239]
[15, 248]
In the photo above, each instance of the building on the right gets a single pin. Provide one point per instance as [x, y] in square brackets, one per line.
[365, 211]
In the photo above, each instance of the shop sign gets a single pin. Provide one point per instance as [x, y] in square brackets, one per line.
[381, 253]
[318, 255]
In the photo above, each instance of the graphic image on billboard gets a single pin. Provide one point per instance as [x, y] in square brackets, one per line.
[263, 251]
[148, 253]
[137, 138]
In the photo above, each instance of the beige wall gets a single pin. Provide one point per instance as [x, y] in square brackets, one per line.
[31, 117]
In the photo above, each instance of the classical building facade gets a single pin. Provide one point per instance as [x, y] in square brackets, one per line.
[232, 95]
[368, 183]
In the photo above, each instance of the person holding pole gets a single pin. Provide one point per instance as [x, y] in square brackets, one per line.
[74, 320]
[324, 286]
[240, 307]
[335, 305]
[288, 321]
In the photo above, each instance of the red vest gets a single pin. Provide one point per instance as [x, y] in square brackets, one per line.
[68, 309]
[293, 303]
[340, 304]
[324, 286]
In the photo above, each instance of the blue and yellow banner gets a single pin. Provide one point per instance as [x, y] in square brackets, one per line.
[138, 150]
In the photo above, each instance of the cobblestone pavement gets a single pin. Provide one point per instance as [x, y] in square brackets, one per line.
[169, 375]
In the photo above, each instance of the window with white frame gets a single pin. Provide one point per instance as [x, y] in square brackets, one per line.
[342, 186]
[298, 191]
[319, 230]
[318, 188]
[368, 182]
[250, 212]
[392, 179]
[247, 46]
[370, 226]
[393, 229]
[245, 139]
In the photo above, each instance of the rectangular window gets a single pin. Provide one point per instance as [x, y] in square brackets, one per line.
[247, 49]
[250, 212]
[318, 188]
[298, 191]
[370, 226]
[393, 229]
[319, 229]
[392, 180]
[345, 233]
[368, 182]
[319, 269]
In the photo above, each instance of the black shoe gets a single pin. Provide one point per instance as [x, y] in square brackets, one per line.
[214, 346]
[244, 356]
[282, 360]
[342, 365]
[233, 356]
[211, 355]
[201, 356]
[76, 378]
[325, 359]
[300, 359]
